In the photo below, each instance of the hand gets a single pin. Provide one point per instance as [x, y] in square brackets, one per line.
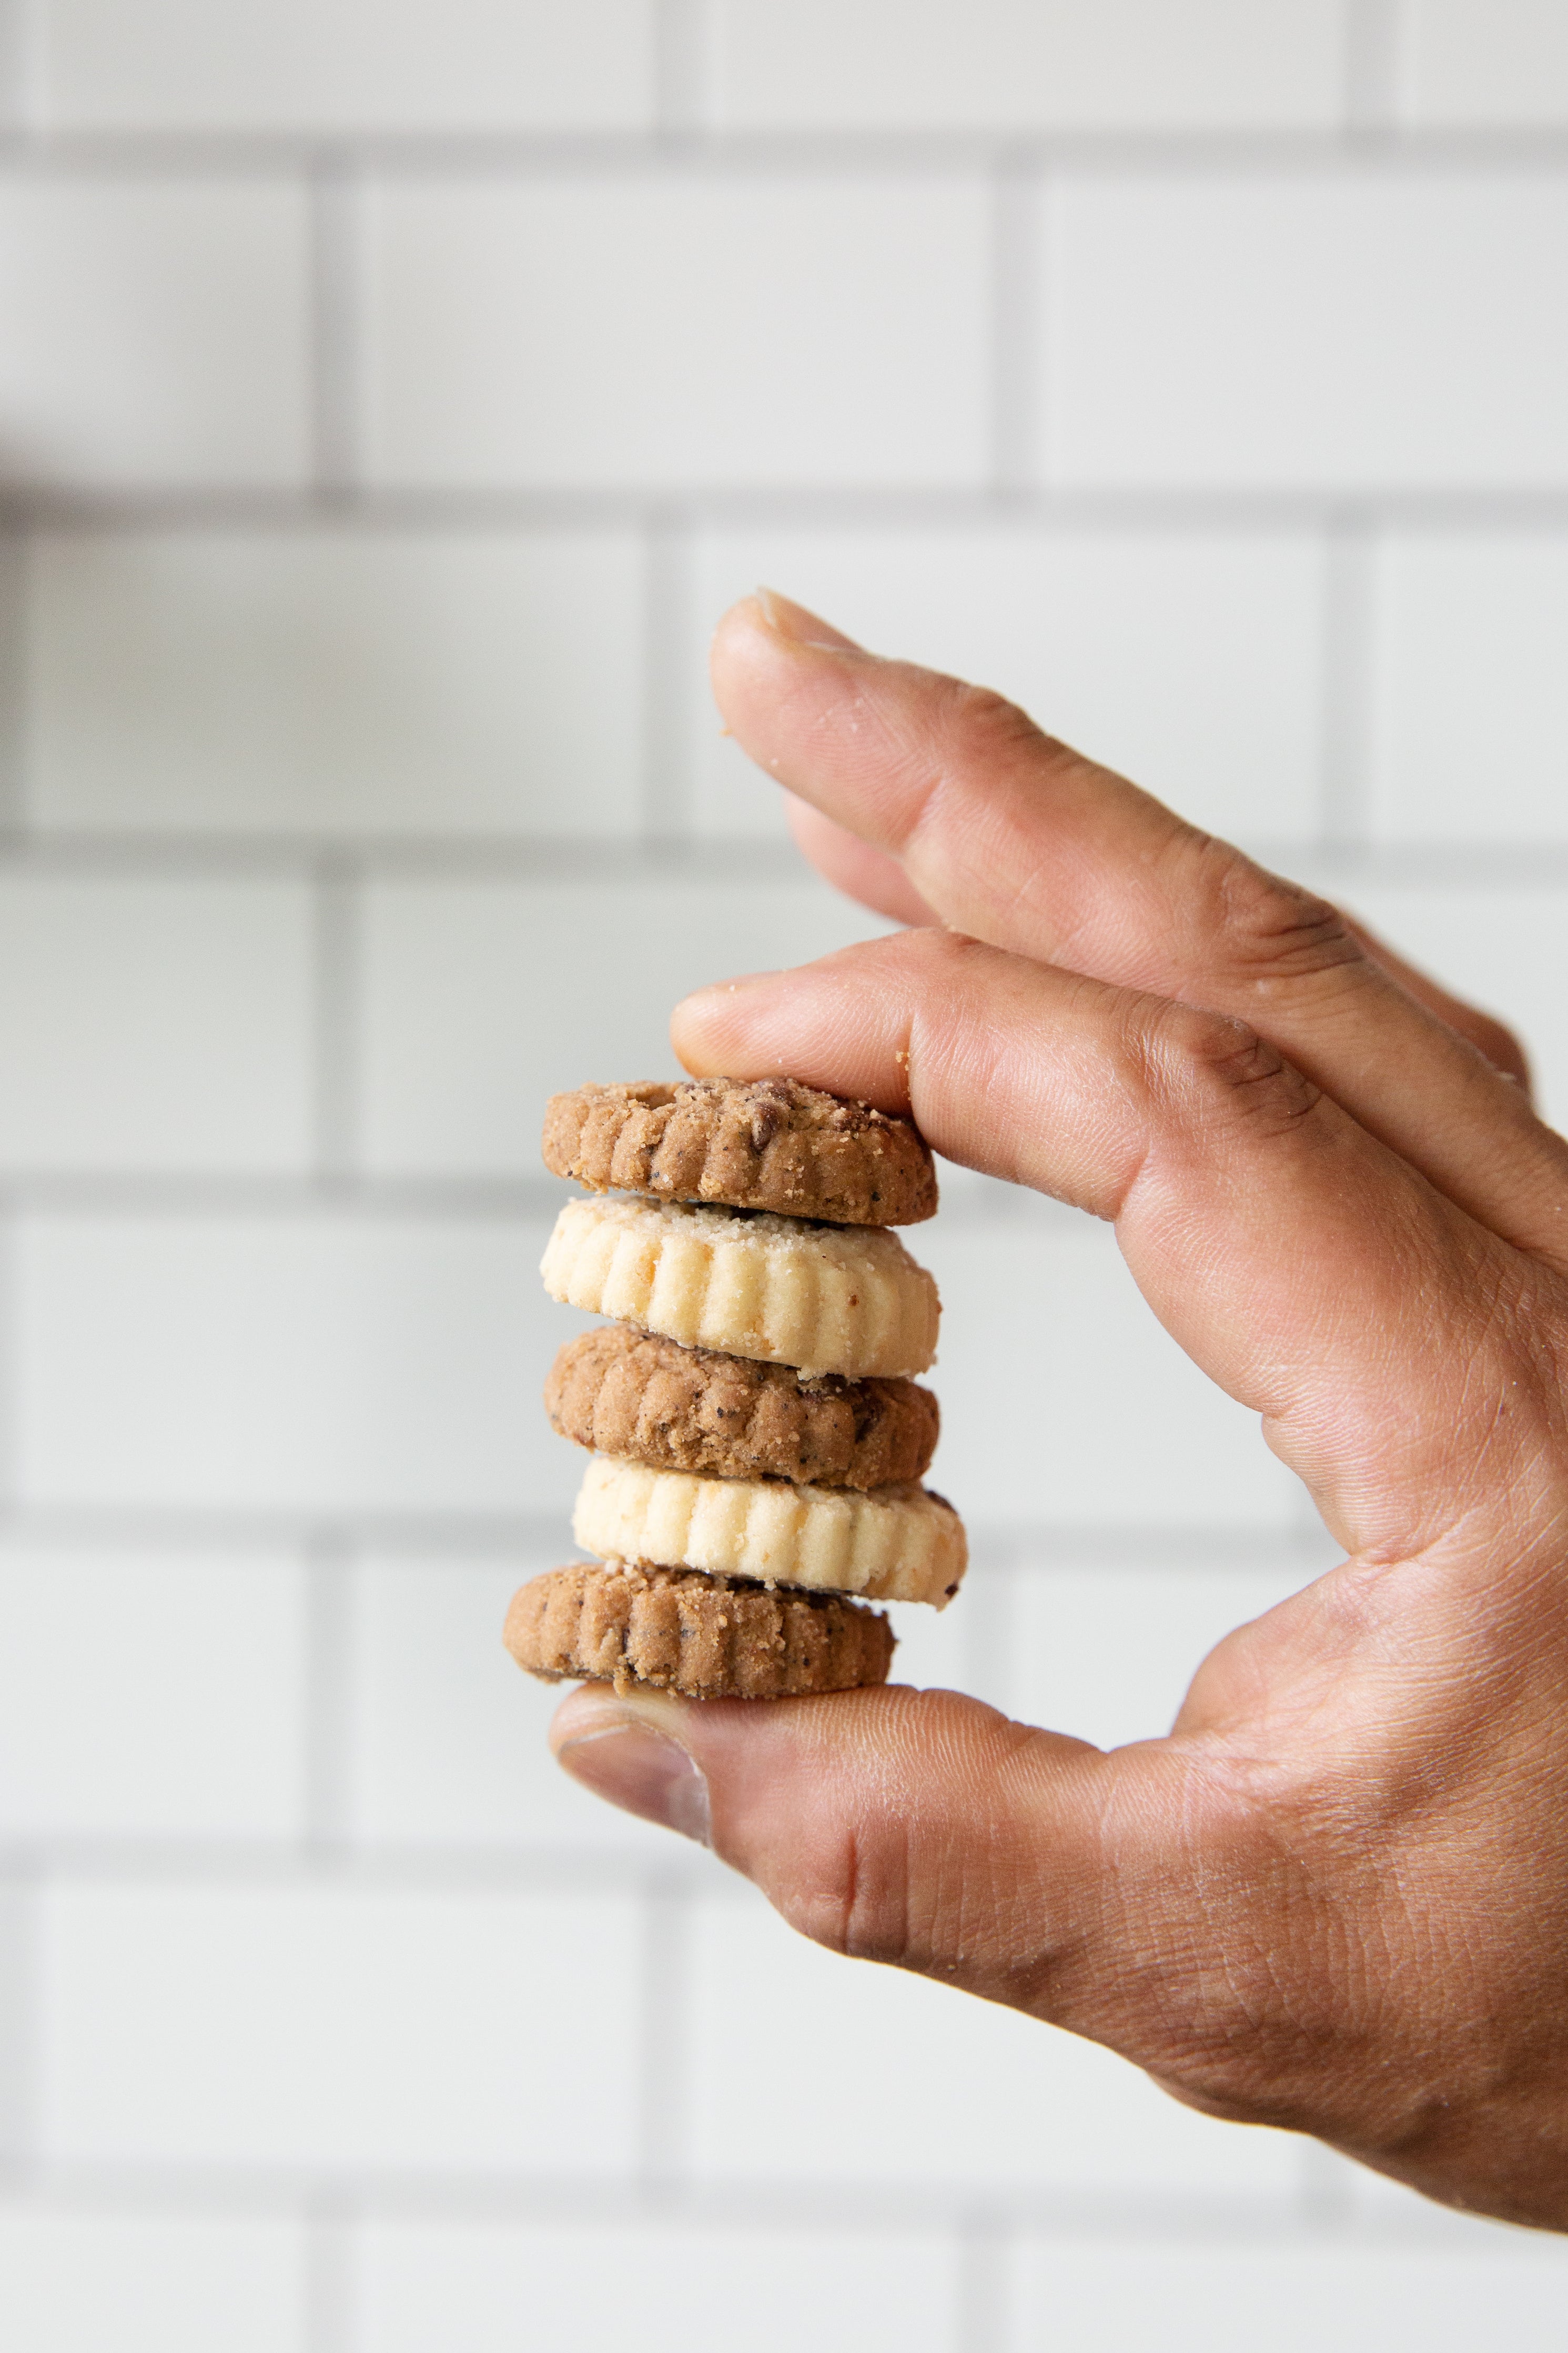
[1336, 1897]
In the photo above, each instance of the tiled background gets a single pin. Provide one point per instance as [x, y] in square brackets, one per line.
[390, 399]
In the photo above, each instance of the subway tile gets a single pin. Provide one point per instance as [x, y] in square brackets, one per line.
[1502, 948]
[336, 682]
[949, 2090]
[1469, 720]
[447, 1737]
[1106, 1652]
[1028, 64]
[1228, 2299]
[423, 2287]
[1065, 1401]
[666, 330]
[480, 1000]
[310, 2026]
[153, 331]
[310, 1364]
[148, 1693]
[1503, 63]
[342, 64]
[1191, 662]
[154, 1025]
[149, 2281]
[1350, 332]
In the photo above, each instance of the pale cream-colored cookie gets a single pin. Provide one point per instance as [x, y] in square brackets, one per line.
[895, 1544]
[682, 1632]
[827, 1299]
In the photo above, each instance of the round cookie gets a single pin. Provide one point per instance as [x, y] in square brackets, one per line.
[822, 1298]
[764, 1144]
[633, 1394]
[685, 1632]
[901, 1543]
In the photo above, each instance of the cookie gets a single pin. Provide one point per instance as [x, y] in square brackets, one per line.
[901, 1543]
[765, 1144]
[629, 1393]
[826, 1299]
[686, 1633]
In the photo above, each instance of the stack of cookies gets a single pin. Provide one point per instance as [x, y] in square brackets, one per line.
[758, 1444]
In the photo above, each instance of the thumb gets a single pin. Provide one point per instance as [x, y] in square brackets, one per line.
[917, 1827]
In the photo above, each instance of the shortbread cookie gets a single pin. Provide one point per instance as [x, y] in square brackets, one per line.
[770, 1144]
[684, 1632]
[901, 1543]
[827, 1299]
[631, 1393]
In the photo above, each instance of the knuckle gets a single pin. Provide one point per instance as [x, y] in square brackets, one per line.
[1206, 1065]
[1262, 926]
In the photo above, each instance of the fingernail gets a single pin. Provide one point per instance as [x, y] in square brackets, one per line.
[640, 1766]
[800, 627]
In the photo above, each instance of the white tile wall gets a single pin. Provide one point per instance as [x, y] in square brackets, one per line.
[153, 331]
[346, 65]
[992, 2100]
[150, 2284]
[713, 328]
[1502, 62]
[390, 401]
[151, 1693]
[480, 1000]
[336, 683]
[693, 2291]
[304, 2026]
[1221, 2297]
[303, 1364]
[1471, 734]
[1330, 332]
[1193, 662]
[154, 1024]
[1011, 64]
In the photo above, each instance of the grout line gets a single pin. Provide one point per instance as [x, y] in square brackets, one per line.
[669, 600]
[18, 2016]
[329, 2316]
[1346, 750]
[683, 51]
[14, 552]
[984, 2267]
[521, 860]
[336, 975]
[1373, 47]
[664, 1987]
[328, 1673]
[698, 153]
[334, 327]
[10, 1369]
[1539, 509]
[1017, 196]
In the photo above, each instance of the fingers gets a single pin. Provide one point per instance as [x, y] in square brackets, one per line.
[1014, 838]
[1305, 1268]
[1489, 1036]
[852, 867]
[918, 1828]
[1140, 1898]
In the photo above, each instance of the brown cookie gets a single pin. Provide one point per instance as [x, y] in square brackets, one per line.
[680, 1630]
[769, 1143]
[648, 1398]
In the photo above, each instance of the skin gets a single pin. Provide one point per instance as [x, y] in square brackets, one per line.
[1335, 1898]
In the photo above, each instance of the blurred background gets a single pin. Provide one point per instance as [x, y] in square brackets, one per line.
[390, 399]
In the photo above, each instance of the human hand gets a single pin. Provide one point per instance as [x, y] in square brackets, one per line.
[1336, 1897]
